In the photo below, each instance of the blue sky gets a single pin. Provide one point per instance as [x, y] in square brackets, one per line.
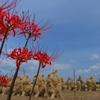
[76, 29]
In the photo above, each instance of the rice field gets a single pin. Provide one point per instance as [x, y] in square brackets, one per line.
[66, 95]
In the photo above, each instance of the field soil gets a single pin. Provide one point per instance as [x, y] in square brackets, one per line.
[66, 95]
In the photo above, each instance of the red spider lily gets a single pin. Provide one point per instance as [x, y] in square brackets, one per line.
[4, 81]
[44, 58]
[9, 23]
[20, 55]
[33, 30]
[8, 26]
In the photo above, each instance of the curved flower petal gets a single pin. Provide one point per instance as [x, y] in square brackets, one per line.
[17, 63]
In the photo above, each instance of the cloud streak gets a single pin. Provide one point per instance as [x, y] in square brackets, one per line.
[30, 68]
[83, 71]
[73, 61]
[94, 67]
[94, 56]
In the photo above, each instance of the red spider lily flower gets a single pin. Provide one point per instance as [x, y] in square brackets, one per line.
[33, 30]
[20, 55]
[9, 23]
[44, 58]
[4, 80]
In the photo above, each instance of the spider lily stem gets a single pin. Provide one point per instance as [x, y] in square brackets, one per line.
[12, 84]
[27, 40]
[35, 80]
[3, 41]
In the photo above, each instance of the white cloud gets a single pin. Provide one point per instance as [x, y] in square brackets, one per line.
[8, 62]
[30, 68]
[62, 66]
[96, 67]
[87, 70]
[83, 71]
[79, 71]
[73, 61]
[10, 50]
[94, 56]
[3, 71]
[97, 73]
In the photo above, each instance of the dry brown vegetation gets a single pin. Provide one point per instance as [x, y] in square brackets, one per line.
[66, 95]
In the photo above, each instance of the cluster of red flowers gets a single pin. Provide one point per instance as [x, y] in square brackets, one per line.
[9, 23]
[12, 24]
[23, 55]
[7, 20]
[4, 80]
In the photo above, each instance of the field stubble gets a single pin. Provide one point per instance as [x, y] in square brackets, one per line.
[66, 95]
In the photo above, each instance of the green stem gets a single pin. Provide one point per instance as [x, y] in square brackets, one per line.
[27, 40]
[12, 84]
[3, 41]
[35, 80]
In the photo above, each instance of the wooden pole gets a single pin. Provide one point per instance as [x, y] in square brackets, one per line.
[24, 71]
[99, 82]
[74, 84]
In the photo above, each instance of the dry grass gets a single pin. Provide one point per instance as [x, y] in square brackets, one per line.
[66, 95]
